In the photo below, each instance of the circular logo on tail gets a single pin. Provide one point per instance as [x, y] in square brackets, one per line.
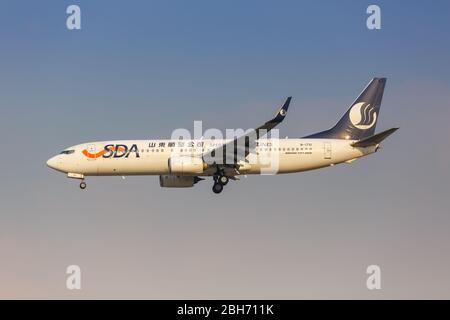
[282, 112]
[363, 116]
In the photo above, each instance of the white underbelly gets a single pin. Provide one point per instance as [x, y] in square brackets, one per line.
[154, 165]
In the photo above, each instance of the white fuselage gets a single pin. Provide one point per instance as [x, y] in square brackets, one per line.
[151, 157]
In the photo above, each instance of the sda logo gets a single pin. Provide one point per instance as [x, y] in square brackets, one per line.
[120, 150]
[363, 116]
[115, 151]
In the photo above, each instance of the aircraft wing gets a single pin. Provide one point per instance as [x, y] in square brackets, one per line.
[238, 149]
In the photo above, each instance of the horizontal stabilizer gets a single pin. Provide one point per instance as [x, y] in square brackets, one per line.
[375, 139]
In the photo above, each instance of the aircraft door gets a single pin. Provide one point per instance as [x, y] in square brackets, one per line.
[327, 150]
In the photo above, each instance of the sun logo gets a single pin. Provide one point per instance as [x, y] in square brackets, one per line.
[363, 116]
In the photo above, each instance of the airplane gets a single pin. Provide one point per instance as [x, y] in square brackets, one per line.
[184, 163]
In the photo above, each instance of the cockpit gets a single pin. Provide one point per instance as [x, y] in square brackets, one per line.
[67, 151]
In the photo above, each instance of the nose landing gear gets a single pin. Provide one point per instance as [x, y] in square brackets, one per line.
[78, 176]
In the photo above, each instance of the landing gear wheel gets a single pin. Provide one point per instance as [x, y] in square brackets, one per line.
[83, 185]
[223, 180]
[217, 188]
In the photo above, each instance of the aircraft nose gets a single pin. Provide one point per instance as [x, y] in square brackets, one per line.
[52, 163]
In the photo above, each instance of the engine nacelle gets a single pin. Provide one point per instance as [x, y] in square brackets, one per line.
[180, 165]
[178, 181]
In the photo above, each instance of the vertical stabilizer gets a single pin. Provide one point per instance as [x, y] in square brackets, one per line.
[360, 120]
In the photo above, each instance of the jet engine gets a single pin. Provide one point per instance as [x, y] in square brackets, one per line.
[178, 181]
[181, 165]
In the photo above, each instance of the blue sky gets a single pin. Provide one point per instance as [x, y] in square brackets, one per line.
[138, 70]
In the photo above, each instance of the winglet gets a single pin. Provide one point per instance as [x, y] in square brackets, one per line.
[279, 117]
[248, 140]
[375, 139]
[282, 112]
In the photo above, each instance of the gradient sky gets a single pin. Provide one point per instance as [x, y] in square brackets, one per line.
[139, 69]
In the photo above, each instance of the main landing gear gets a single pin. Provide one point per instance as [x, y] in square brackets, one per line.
[219, 182]
[82, 185]
[217, 187]
[223, 180]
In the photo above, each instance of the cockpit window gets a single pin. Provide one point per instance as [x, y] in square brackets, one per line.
[67, 151]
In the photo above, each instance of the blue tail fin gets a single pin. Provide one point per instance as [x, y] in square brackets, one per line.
[360, 120]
